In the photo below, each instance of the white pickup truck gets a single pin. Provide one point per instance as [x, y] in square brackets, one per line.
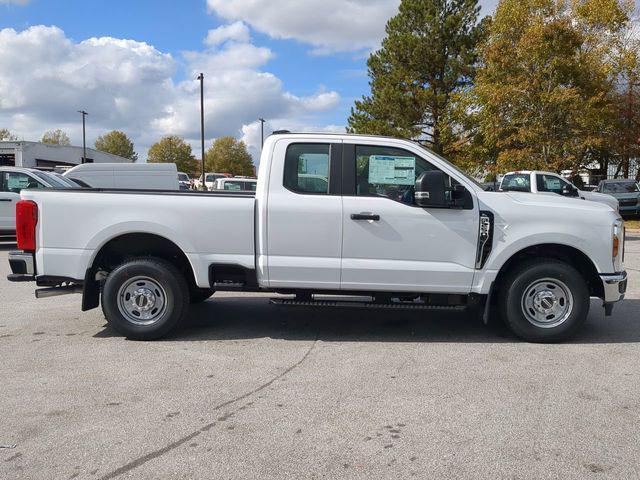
[536, 181]
[393, 224]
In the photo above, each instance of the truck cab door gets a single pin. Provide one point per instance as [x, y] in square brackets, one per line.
[391, 244]
[302, 216]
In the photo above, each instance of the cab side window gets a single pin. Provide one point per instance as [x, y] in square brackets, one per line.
[388, 172]
[550, 183]
[15, 181]
[306, 168]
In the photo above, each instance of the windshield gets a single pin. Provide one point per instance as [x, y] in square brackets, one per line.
[183, 177]
[68, 181]
[212, 177]
[621, 187]
[50, 179]
[516, 182]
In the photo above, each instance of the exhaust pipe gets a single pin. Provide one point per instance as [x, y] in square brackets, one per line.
[55, 291]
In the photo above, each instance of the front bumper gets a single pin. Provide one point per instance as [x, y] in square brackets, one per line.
[22, 267]
[615, 286]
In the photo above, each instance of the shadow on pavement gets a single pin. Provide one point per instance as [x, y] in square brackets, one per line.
[237, 318]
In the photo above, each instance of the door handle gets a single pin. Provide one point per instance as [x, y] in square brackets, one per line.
[5, 199]
[365, 216]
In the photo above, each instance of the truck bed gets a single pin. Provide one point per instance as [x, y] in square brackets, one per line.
[209, 227]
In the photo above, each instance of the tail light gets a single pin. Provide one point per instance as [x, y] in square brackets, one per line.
[26, 221]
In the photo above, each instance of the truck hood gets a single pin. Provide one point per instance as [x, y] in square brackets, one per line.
[546, 200]
[601, 198]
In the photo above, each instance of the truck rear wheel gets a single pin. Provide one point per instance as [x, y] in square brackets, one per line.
[544, 300]
[145, 298]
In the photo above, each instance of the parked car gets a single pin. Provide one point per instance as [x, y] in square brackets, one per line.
[626, 191]
[184, 181]
[210, 180]
[396, 223]
[546, 182]
[145, 176]
[237, 184]
[13, 180]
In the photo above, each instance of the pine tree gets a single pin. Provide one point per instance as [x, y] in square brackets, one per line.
[429, 54]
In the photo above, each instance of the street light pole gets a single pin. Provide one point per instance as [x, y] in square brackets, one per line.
[201, 78]
[262, 120]
[84, 137]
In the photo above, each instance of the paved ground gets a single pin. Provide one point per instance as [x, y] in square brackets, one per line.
[255, 391]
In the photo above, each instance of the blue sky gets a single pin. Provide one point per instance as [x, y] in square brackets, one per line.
[299, 63]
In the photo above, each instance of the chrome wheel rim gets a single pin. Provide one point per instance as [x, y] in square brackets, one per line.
[547, 303]
[142, 300]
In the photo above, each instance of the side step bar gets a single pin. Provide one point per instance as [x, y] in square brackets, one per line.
[355, 304]
[55, 291]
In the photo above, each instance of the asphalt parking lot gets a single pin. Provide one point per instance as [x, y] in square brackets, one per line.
[255, 391]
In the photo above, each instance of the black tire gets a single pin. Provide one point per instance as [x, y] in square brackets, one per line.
[172, 292]
[521, 281]
[199, 295]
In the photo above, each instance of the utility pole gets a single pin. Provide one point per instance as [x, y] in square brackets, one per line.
[262, 120]
[84, 136]
[201, 78]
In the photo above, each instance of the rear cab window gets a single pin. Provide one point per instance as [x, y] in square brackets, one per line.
[306, 168]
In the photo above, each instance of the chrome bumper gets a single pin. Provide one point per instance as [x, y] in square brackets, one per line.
[22, 267]
[615, 286]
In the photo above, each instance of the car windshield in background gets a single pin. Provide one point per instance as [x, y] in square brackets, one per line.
[183, 177]
[516, 182]
[51, 179]
[621, 187]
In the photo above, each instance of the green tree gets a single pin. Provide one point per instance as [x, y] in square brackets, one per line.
[429, 54]
[116, 143]
[56, 137]
[229, 155]
[6, 135]
[542, 98]
[173, 149]
[626, 138]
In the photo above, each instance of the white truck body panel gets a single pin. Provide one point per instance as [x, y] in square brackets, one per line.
[188, 220]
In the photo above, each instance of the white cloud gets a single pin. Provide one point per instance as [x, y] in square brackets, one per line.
[237, 31]
[328, 25]
[129, 85]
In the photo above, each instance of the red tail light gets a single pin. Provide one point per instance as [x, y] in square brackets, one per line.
[26, 221]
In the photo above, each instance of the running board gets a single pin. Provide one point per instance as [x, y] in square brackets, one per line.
[352, 304]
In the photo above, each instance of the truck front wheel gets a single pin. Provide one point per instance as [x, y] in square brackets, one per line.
[145, 298]
[544, 300]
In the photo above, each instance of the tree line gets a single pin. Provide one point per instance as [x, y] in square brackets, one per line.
[226, 155]
[542, 84]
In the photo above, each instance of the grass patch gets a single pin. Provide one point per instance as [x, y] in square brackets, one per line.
[632, 224]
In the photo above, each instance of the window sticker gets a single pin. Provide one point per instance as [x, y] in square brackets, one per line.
[390, 170]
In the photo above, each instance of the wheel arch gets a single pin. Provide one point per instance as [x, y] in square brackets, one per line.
[132, 244]
[565, 253]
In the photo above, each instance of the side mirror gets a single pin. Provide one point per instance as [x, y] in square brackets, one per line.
[568, 191]
[430, 189]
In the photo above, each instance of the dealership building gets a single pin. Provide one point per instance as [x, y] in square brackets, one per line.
[46, 157]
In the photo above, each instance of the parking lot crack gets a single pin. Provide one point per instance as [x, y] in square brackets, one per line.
[172, 446]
